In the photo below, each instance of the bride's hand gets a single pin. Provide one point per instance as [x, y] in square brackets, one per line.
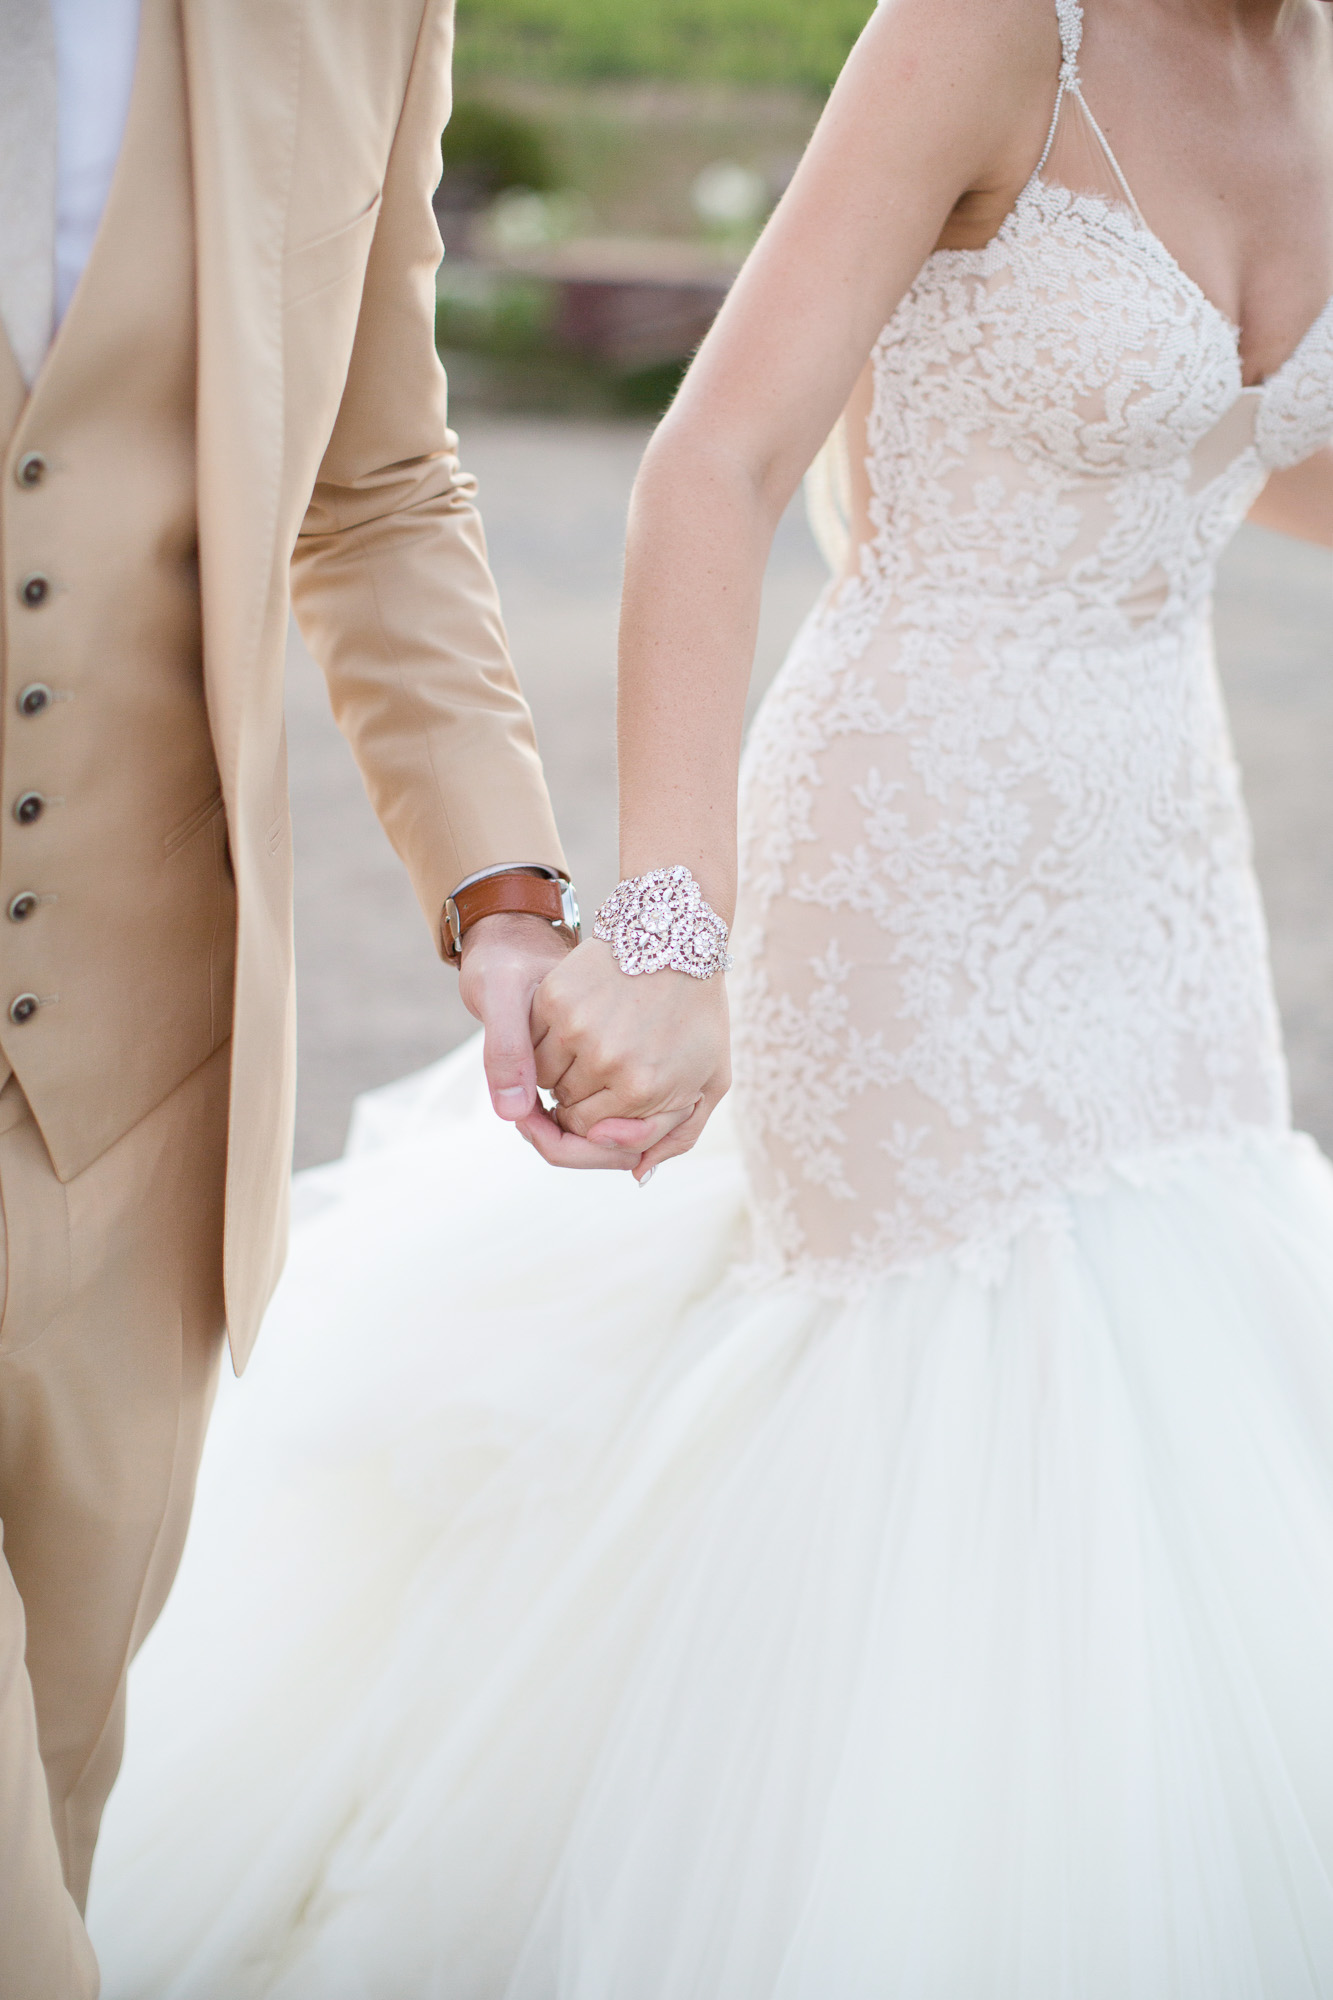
[636, 1065]
[504, 960]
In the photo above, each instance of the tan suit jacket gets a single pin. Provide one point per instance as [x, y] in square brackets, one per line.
[326, 476]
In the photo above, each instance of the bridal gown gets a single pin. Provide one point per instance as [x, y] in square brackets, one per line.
[892, 1557]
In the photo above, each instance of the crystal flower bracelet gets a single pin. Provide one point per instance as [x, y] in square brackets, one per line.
[661, 920]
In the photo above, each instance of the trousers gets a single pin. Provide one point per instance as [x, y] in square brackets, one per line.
[110, 1342]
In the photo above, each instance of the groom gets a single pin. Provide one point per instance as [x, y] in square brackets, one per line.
[217, 373]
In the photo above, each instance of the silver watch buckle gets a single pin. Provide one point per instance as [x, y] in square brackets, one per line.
[569, 908]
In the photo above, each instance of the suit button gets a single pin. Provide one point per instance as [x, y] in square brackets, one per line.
[22, 906]
[23, 1008]
[35, 697]
[31, 469]
[35, 589]
[29, 806]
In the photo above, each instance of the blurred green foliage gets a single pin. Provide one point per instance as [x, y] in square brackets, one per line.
[800, 43]
[494, 312]
[496, 332]
[487, 149]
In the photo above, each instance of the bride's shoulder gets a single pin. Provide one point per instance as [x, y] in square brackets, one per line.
[962, 78]
[1011, 41]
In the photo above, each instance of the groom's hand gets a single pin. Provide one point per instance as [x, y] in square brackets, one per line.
[504, 959]
[503, 962]
[635, 1065]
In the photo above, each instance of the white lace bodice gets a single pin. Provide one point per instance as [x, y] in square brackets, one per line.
[999, 927]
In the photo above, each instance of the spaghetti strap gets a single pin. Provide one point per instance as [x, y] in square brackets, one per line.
[1069, 15]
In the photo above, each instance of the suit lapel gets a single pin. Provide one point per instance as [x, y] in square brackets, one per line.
[29, 125]
[13, 396]
[242, 61]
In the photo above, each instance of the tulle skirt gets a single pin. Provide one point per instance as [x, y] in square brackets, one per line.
[571, 1615]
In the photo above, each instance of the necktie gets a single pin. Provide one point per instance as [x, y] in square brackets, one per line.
[28, 135]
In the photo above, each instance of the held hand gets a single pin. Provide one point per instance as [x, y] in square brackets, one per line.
[635, 1064]
[504, 960]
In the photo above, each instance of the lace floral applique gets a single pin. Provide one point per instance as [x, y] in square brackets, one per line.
[1296, 406]
[999, 925]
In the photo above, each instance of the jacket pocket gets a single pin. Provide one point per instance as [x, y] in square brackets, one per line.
[192, 824]
[312, 267]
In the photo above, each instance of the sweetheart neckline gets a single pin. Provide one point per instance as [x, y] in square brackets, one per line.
[1135, 226]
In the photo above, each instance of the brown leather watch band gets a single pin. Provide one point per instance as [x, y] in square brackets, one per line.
[514, 893]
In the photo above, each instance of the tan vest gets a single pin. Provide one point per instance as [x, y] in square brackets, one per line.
[106, 743]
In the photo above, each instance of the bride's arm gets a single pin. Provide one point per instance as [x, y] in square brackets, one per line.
[937, 98]
[1299, 501]
[943, 104]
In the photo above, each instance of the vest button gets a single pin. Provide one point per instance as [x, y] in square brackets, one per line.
[22, 907]
[23, 1008]
[35, 697]
[29, 806]
[31, 469]
[35, 589]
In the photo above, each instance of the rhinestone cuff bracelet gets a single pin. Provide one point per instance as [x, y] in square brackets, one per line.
[661, 919]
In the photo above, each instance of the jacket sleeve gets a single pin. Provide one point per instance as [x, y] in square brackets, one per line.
[390, 580]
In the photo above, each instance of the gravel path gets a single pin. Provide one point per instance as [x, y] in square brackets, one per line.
[375, 1002]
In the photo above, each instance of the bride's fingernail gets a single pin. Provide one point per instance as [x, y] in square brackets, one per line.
[645, 1178]
[510, 1098]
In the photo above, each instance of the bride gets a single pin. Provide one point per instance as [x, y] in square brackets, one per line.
[893, 1560]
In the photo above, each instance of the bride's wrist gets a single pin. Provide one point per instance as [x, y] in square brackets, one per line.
[660, 920]
[714, 871]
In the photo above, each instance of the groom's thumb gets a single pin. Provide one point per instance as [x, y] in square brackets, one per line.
[511, 1068]
[505, 959]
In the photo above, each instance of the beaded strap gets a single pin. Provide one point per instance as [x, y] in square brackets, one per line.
[1069, 14]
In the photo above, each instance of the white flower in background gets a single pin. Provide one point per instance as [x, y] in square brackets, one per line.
[519, 221]
[729, 196]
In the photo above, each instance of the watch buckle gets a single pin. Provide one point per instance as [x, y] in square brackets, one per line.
[569, 908]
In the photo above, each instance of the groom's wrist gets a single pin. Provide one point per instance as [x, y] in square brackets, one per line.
[509, 937]
[524, 889]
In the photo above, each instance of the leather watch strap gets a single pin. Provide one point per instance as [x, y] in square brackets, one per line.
[514, 892]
